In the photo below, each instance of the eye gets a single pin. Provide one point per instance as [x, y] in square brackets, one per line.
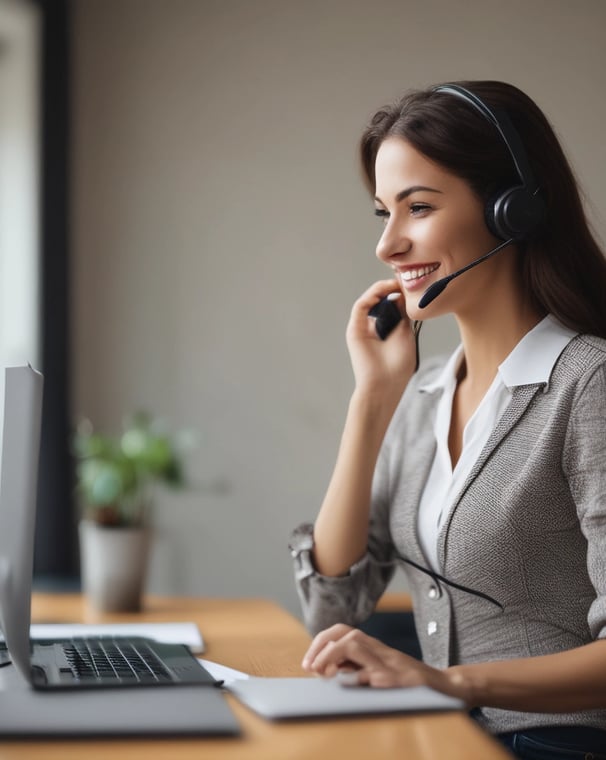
[419, 209]
[382, 214]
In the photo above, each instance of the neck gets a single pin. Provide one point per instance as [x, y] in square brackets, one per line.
[488, 341]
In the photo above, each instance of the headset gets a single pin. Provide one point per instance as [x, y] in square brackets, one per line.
[516, 212]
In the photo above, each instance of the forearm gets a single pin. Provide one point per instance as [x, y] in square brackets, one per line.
[564, 682]
[341, 529]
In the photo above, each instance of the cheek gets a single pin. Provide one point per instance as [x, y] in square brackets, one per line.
[433, 232]
[464, 238]
[439, 239]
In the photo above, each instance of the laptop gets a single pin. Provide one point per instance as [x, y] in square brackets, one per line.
[81, 685]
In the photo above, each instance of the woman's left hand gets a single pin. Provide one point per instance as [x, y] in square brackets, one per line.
[375, 664]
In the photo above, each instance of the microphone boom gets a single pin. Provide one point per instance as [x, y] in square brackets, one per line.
[434, 290]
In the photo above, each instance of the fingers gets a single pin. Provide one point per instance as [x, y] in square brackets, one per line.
[373, 295]
[341, 646]
[334, 633]
[361, 325]
[377, 291]
[372, 662]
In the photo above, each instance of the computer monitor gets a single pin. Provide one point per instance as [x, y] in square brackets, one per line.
[19, 454]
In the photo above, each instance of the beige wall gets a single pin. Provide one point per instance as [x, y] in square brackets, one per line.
[220, 232]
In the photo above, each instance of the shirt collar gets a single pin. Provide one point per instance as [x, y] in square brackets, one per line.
[531, 361]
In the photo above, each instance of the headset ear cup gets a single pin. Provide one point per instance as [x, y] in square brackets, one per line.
[514, 214]
[490, 216]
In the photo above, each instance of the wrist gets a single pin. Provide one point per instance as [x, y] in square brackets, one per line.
[461, 685]
[370, 413]
[375, 402]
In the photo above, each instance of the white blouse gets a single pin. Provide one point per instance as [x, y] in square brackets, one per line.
[530, 362]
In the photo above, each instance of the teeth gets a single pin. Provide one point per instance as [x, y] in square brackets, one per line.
[414, 274]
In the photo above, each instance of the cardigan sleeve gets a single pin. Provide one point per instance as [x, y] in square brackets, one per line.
[352, 597]
[585, 467]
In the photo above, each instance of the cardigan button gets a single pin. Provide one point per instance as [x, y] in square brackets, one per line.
[432, 627]
[434, 592]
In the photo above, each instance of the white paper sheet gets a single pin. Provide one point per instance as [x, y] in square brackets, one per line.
[222, 672]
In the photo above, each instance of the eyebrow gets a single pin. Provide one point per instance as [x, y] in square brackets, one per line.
[409, 191]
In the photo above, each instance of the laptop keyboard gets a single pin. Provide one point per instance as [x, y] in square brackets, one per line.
[100, 659]
[91, 661]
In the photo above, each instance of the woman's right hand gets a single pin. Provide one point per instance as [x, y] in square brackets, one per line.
[383, 366]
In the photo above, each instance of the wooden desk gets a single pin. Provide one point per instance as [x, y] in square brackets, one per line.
[258, 637]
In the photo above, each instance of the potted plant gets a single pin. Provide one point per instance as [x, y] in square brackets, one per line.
[117, 477]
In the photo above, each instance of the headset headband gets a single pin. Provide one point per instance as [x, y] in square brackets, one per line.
[500, 119]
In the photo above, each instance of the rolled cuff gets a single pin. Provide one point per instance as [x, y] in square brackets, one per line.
[326, 600]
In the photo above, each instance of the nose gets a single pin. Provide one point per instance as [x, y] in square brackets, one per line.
[392, 243]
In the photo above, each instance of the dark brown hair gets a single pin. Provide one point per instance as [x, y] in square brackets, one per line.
[563, 269]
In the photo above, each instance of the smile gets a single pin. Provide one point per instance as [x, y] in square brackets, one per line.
[415, 274]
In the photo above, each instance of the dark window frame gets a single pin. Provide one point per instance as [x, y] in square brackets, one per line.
[55, 553]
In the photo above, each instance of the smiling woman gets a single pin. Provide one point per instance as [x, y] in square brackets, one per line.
[483, 474]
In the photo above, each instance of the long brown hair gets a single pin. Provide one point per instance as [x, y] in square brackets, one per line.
[563, 269]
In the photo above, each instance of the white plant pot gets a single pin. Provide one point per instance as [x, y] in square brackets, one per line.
[113, 564]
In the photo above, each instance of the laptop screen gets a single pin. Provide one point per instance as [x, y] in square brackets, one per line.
[18, 483]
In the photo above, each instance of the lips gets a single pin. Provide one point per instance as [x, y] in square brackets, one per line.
[417, 277]
[416, 273]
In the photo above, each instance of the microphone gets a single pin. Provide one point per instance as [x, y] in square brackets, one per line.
[433, 291]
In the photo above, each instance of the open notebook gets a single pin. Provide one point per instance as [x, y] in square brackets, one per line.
[79, 685]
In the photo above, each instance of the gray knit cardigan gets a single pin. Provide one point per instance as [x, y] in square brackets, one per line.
[525, 537]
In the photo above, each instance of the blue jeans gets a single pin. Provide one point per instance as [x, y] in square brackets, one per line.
[557, 743]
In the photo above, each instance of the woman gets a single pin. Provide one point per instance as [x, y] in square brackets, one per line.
[484, 476]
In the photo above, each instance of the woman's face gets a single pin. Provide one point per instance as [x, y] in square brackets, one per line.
[434, 225]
